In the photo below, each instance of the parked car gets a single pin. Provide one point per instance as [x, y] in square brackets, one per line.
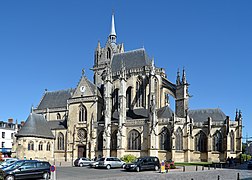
[110, 162]
[16, 164]
[82, 162]
[94, 164]
[26, 170]
[250, 164]
[143, 163]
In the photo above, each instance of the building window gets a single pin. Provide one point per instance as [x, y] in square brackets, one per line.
[31, 146]
[201, 142]
[165, 139]
[3, 144]
[128, 97]
[12, 135]
[82, 134]
[3, 135]
[217, 141]
[140, 94]
[179, 139]
[156, 92]
[109, 54]
[114, 140]
[82, 114]
[48, 146]
[134, 140]
[232, 146]
[60, 141]
[58, 116]
[115, 99]
[100, 141]
[40, 147]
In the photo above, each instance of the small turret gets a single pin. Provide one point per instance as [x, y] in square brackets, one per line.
[178, 78]
[184, 77]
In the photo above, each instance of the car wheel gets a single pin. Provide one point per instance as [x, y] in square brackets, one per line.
[123, 166]
[81, 165]
[46, 175]
[156, 168]
[9, 177]
[137, 169]
[108, 166]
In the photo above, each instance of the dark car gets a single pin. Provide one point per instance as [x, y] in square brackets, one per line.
[144, 163]
[27, 170]
[250, 164]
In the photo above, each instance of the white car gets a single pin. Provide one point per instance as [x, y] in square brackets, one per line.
[111, 162]
[82, 162]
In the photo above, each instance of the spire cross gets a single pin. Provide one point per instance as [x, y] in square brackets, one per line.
[83, 72]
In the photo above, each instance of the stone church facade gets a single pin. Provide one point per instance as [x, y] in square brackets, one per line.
[126, 110]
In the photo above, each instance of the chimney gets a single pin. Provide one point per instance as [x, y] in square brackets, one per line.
[10, 120]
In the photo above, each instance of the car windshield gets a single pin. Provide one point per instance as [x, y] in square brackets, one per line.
[15, 164]
[137, 160]
[102, 159]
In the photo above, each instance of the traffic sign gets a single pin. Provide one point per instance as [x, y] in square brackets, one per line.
[53, 168]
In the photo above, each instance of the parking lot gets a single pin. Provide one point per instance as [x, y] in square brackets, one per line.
[76, 173]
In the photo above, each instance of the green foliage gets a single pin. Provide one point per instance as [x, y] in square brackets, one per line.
[244, 158]
[128, 158]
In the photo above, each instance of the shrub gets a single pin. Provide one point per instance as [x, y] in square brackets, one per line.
[128, 158]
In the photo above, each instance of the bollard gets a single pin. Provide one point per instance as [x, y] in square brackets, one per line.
[218, 177]
[202, 168]
[196, 168]
[208, 167]
[238, 176]
[183, 168]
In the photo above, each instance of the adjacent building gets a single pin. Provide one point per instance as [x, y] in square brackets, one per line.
[126, 110]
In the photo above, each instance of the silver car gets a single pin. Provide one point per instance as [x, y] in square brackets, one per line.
[110, 162]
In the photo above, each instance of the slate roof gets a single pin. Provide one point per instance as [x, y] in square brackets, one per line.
[35, 126]
[131, 59]
[57, 124]
[137, 113]
[165, 112]
[55, 99]
[201, 115]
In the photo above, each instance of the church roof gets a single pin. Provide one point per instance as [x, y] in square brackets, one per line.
[55, 99]
[165, 112]
[200, 115]
[35, 126]
[57, 124]
[131, 59]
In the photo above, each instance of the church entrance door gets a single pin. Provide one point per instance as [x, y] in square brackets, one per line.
[82, 151]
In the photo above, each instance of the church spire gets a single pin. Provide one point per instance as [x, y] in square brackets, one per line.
[184, 76]
[112, 35]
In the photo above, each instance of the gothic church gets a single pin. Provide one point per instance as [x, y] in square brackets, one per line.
[125, 110]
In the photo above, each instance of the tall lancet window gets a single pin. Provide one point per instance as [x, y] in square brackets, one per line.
[128, 97]
[115, 99]
[82, 113]
[165, 139]
[100, 141]
[61, 144]
[217, 141]
[113, 145]
[232, 146]
[179, 139]
[58, 116]
[156, 91]
[201, 142]
[134, 140]
[139, 93]
[109, 53]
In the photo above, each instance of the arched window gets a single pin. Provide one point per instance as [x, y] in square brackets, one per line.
[48, 146]
[58, 116]
[165, 139]
[100, 141]
[232, 146]
[115, 99]
[217, 141]
[109, 53]
[31, 146]
[179, 139]
[113, 144]
[156, 92]
[40, 147]
[128, 97]
[139, 94]
[134, 140]
[201, 142]
[82, 134]
[82, 114]
[60, 141]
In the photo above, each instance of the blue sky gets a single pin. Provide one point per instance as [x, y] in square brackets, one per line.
[45, 44]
